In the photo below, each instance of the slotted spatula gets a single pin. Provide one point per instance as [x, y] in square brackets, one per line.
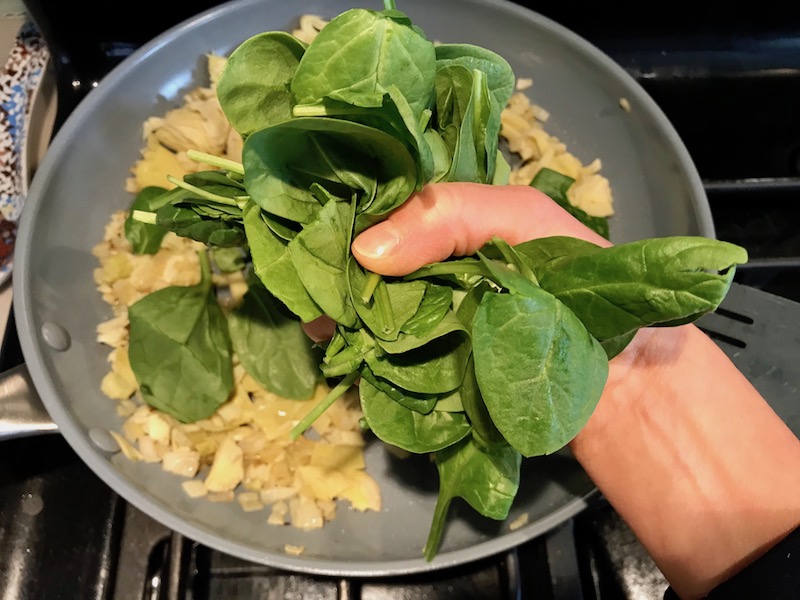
[760, 332]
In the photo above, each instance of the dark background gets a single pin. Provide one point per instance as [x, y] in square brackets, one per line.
[91, 36]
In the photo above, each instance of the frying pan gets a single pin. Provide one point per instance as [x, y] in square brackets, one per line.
[80, 182]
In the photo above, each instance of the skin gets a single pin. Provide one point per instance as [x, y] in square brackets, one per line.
[681, 444]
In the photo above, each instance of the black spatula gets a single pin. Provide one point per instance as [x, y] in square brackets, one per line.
[760, 332]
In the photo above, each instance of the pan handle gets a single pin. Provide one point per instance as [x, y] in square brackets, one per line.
[22, 413]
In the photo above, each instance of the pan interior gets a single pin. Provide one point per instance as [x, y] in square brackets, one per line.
[80, 182]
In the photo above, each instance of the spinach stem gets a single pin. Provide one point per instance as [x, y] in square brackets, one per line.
[460, 267]
[373, 279]
[310, 110]
[320, 110]
[336, 344]
[216, 161]
[323, 405]
[384, 308]
[425, 119]
[343, 362]
[241, 201]
[389, 5]
[205, 266]
[437, 526]
[512, 258]
[145, 216]
[334, 369]
[202, 193]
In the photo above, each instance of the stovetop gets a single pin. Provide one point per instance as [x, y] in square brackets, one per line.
[728, 82]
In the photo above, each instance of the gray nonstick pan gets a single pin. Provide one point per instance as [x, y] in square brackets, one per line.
[80, 182]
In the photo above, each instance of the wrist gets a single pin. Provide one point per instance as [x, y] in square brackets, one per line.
[691, 457]
[635, 379]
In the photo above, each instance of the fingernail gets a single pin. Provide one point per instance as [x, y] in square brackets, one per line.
[377, 241]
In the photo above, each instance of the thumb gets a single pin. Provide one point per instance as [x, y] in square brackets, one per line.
[457, 219]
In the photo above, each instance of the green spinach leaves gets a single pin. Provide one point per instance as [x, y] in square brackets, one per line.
[179, 349]
[271, 344]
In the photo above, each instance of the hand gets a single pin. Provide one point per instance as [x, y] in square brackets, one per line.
[681, 444]
[455, 219]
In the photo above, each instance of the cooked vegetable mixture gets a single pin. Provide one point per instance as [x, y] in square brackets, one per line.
[478, 361]
[243, 451]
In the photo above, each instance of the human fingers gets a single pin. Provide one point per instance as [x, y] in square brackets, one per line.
[457, 219]
[320, 329]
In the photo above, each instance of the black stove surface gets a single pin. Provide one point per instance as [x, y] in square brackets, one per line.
[66, 535]
[728, 81]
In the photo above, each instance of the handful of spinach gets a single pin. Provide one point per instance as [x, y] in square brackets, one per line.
[481, 360]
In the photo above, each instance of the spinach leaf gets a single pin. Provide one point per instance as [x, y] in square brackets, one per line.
[272, 346]
[502, 170]
[186, 222]
[145, 238]
[228, 260]
[453, 86]
[283, 161]
[180, 349]
[395, 117]
[484, 431]
[619, 289]
[474, 157]
[464, 273]
[469, 302]
[211, 210]
[421, 403]
[500, 76]
[211, 194]
[320, 254]
[447, 325]
[506, 277]
[492, 83]
[430, 312]
[217, 181]
[486, 131]
[509, 255]
[204, 207]
[384, 319]
[409, 429]
[450, 402]
[487, 478]
[439, 153]
[537, 253]
[463, 109]
[436, 367]
[274, 267]
[413, 131]
[282, 228]
[483, 428]
[253, 87]
[359, 54]
[538, 369]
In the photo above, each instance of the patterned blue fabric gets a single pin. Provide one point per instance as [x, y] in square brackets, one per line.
[18, 82]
